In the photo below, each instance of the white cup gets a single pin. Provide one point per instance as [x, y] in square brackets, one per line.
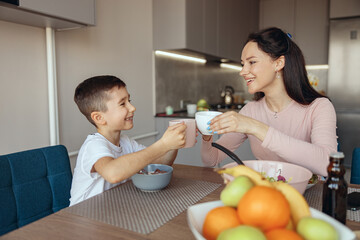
[202, 118]
[190, 135]
[191, 109]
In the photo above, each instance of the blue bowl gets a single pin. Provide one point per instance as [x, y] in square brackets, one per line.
[153, 182]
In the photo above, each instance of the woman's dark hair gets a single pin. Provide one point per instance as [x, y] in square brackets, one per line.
[276, 43]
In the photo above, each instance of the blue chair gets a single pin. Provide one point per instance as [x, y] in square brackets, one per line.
[355, 167]
[33, 184]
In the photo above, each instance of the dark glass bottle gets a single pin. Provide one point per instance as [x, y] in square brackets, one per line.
[335, 189]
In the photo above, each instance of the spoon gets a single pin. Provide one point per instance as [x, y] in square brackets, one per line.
[143, 171]
[228, 152]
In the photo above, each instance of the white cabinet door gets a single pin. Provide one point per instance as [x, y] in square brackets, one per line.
[211, 17]
[212, 27]
[169, 24]
[237, 18]
[63, 14]
[195, 25]
[278, 13]
[344, 8]
[306, 20]
[312, 28]
[81, 11]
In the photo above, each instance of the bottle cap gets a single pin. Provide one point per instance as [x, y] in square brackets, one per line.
[337, 155]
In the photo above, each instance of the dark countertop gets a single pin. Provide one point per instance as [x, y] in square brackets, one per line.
[177, 114]
[183, 113]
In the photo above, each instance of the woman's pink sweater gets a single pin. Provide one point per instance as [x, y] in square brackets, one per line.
[301, 134]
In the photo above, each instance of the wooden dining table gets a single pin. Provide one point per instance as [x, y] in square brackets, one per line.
[65, 224]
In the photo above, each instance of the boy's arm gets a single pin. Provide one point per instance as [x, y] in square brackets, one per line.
[119, 169]
[168, 158]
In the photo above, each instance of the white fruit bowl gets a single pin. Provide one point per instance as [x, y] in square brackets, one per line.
[298, 176]
[196, 215]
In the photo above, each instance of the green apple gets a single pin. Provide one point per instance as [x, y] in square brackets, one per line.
[314, 229]
[235, 190]
[202, 104]
[242, 232]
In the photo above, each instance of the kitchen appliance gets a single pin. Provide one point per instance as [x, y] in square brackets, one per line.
[344, 82]
[227, 95]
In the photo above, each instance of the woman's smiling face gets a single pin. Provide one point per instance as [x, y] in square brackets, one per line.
[259, 69]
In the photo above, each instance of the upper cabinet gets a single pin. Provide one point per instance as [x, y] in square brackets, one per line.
[306, 20]
[344, 8]
[214, 27]
[57, 14]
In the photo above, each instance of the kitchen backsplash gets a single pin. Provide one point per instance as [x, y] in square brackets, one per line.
[178, 80]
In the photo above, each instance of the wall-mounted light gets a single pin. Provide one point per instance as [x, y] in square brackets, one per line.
[231, 66]
[316, 67]
[179, 56]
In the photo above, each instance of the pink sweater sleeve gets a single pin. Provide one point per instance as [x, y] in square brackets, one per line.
[313, 155]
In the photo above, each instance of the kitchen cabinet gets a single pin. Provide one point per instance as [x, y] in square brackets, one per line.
[277, 13]
[306, 20]
[344, 8]
[237, 18]
[212, 27]
[62, 14]
[192, 156]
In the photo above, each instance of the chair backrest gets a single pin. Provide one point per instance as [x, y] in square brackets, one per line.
[33, 184]
[355, 167]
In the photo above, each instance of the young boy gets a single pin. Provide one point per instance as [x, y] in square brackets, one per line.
[108, 158]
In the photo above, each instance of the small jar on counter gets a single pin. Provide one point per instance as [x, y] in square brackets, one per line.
[169, 110]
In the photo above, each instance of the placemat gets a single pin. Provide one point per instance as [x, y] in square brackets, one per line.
[314, 198]
[127, 207]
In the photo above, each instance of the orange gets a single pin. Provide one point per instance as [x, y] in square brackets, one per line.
[264, 207]
[282, 234]
[218, 220]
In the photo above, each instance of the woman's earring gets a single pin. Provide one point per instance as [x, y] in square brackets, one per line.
[277, 75]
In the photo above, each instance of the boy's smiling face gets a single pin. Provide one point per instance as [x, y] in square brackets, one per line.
[120, 112]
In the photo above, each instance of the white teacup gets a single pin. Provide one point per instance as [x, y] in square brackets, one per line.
[202, 118]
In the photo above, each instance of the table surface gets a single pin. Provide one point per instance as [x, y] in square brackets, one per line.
[65, 225]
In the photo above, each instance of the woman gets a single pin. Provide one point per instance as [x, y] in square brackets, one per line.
[288, 121]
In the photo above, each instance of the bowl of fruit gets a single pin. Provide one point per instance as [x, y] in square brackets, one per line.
[252, 207]
[274, 171]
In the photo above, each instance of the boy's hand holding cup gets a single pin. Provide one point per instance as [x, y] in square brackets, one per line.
[190, 133]
[174, 136]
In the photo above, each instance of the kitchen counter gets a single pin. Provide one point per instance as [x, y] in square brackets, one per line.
[177, 114]
[215, 107]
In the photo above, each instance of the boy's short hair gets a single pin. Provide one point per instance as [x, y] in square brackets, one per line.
[92, 94]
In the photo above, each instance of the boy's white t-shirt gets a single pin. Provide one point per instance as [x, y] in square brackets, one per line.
[86, 184]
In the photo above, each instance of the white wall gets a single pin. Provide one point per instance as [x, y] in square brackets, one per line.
[23, 88]
[120, 44]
